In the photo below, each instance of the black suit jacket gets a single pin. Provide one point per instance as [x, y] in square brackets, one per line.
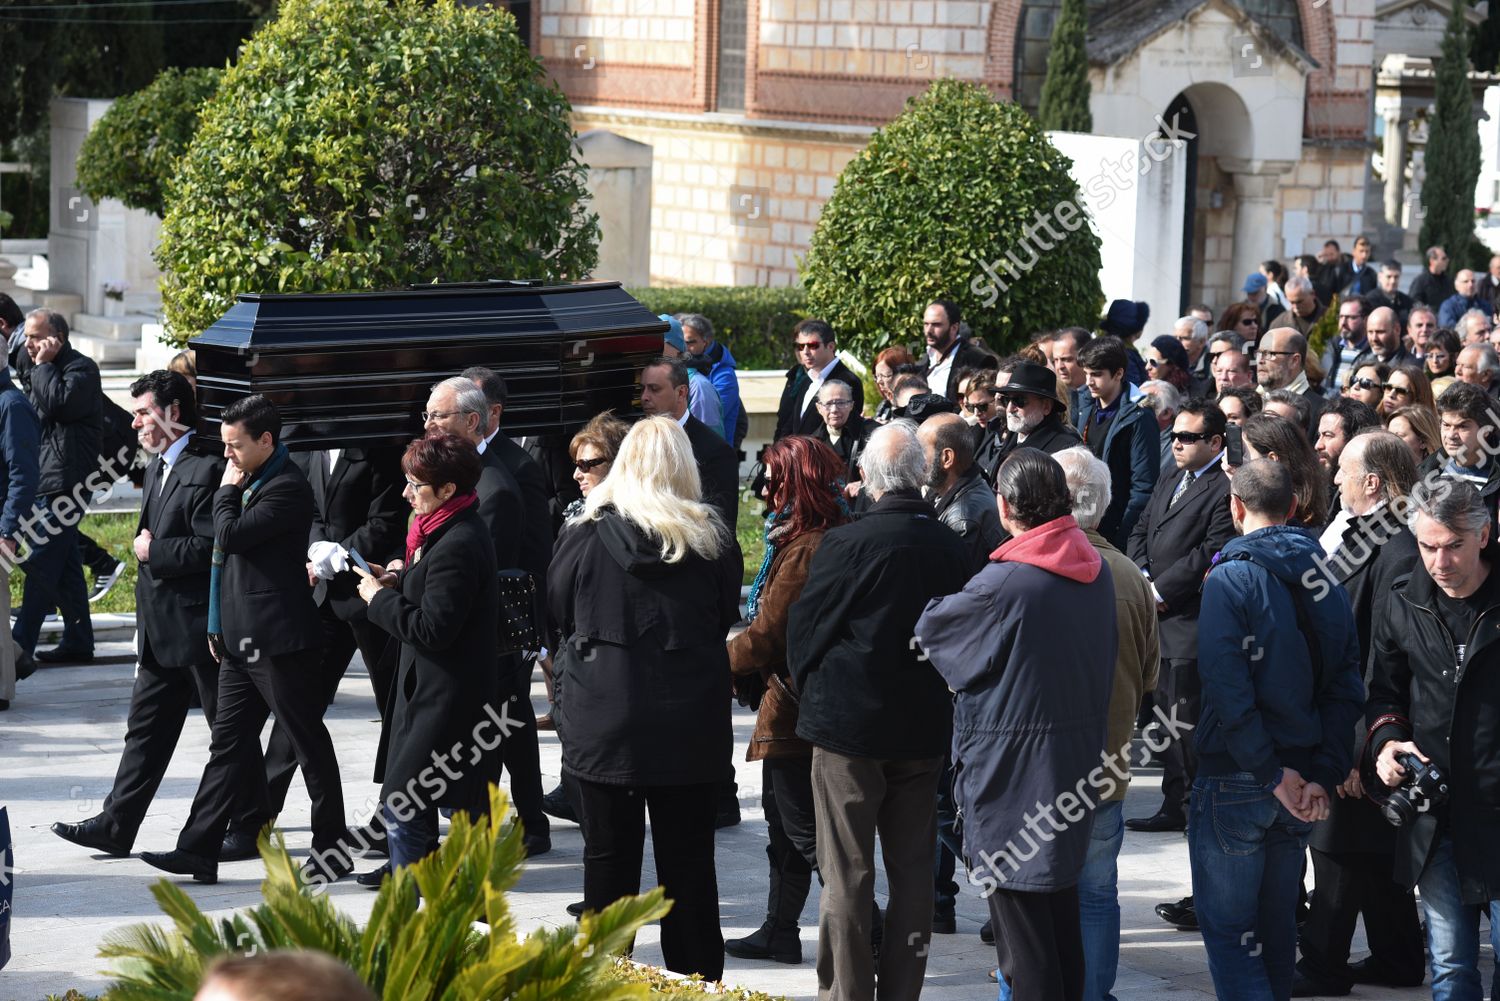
[967, 355]
[171, 587]
[791, 420]
[1174, 545]
[718, 468]
[557, 471]
[502, 508]
[360, 507]
[534, 530]
[265, 604]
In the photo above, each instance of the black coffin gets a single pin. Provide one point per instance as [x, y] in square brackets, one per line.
[353, 369]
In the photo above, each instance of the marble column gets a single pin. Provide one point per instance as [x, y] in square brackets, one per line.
[1395, 165]
[1254, 211]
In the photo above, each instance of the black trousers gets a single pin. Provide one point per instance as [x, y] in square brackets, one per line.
[289, 686]
[682, 837]
[1179, 686]
[520, 753]
[341, 639]
[791, 822]
[1349, 884]
[1039, 942]
[158, 708]
[95, 556]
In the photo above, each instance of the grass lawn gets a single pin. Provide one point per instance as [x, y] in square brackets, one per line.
[751, 531]
[114, 532]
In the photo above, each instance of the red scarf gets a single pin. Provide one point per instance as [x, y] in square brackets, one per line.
[423, 525]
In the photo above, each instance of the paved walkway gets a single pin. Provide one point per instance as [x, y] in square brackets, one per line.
[60, 743]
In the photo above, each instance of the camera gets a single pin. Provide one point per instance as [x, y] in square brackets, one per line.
[1425, 787]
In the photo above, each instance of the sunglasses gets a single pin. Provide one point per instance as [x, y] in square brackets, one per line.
[980, 407]
[1249, 320]
[1187, 437]
[1394, 389]
[1154, 362]
[1008, 400]
[1367, 384]
[588, 465]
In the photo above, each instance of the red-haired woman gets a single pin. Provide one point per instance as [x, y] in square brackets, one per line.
[1242, 318]
[886, 365]
[803, 481]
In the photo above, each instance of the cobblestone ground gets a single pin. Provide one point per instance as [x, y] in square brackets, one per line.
[60, 744]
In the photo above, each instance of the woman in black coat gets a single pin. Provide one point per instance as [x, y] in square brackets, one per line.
[643, 588]
[441, 608]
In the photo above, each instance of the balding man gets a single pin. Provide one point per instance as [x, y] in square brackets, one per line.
[1383, 331]
[1476, 365]
[1306, 310]
[964, 501]
[1463, 299]
[1280, 362]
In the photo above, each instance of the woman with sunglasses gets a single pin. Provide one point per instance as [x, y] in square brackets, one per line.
[1404, 386]
[802, 477]
[592, 450]
[979, 401]
[1367, 383]
[1442, 355]
[1167, 360]
[1241, 318]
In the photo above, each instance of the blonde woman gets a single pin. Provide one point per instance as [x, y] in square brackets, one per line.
[643, 588]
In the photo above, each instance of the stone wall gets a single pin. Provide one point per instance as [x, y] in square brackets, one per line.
[1323, 199]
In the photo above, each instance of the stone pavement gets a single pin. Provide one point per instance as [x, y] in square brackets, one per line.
[60, 743]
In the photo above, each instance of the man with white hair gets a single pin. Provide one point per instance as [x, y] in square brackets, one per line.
[1464, 298]
[1192, 333]
[1474, 326]
[1477, 365]
[1305, 309]
[1162, 399]
[878, 716]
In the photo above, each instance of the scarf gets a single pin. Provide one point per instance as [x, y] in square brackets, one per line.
[776, 535]
[423, 525]
[216, 574]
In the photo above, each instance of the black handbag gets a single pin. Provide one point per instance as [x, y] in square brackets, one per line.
[518, 612]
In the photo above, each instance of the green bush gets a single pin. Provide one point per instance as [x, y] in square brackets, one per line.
[367, 144]
[132, 152]
[944, 203]
[754, 323]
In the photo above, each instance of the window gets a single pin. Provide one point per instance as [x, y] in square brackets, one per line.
[734, 17]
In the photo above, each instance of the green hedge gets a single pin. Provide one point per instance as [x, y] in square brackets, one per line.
[754, 323]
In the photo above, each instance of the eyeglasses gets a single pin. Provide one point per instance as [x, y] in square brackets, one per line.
[415, 486]
[588, 465]
[1268, 353]
[978, 407]
[1187, 437]
[1367, 384]
[1008, 400]
[428, 416]
[1394, 389]
[809, 345]
[835, 404]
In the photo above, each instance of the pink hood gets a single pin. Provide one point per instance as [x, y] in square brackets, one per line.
[1058, 546]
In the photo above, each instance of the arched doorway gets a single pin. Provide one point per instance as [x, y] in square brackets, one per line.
[1181, 118]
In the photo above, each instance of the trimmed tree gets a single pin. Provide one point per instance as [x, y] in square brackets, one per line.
[1064, 104]
[132, 152]
[366, 144]
[1452, 157]
[963, 198]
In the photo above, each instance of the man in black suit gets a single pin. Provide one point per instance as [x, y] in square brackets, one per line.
[817, 362]
[357, 505]
[174, 546]
[664, 393]
[264, 627]
[1185, 523]
[844, 430]
[948, 351]
[516, 515]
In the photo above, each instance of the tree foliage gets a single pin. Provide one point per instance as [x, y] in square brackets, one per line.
[1065, 90]
[1452, 156]
[133, 150]
[754, 322]
[363, 144]
[405, 953]
[949, 201]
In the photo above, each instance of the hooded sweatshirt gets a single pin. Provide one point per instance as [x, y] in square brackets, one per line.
[1264, 706]
[1031, 704]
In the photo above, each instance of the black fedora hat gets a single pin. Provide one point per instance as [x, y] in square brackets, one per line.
[1029, 377]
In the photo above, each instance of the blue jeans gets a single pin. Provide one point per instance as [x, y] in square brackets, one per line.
[1453, 929]
[1099, 905]
[1246, 852]
[411, 840]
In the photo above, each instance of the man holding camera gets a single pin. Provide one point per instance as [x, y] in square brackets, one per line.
[1434, 714]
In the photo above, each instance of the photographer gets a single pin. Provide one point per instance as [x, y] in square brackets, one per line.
[1435, 700]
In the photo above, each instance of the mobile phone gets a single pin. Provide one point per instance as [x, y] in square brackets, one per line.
[359, 561]
[1234, 446]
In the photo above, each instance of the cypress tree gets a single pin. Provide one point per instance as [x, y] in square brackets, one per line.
[1065, 92]
[1452, 156]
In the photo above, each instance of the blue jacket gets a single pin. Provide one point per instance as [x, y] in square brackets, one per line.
[1261, 706]
[723, 376]
[20, 444]
[1133, 454]
[1456, 305]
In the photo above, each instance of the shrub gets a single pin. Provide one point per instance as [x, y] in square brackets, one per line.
[366, 144]
[1065, 91]
[133, 150]
[944, 203]
[754, 323]
[405, 953]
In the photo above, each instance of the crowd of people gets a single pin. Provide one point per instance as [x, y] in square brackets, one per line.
[1273, 567]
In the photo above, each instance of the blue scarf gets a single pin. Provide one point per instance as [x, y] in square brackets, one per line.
[216, 574]
[774, 532]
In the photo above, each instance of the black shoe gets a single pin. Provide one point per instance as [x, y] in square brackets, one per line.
[4, 705]
[374, 841]
[1306, 987]
[1181, 914]
[780, 945]
[537, 844]
[104, 581]
[1157, 823]
[59, 655]
[372, 879]
[576, 910]
[555, 804]
[944, 924]
[25, 665]
[987, 933]
[728, 816]
[329, 867]
[91, 833]
[181, 863]
[238, 846]
[1368, 971]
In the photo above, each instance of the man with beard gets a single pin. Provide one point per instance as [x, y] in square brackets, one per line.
[964, 501]
[1033, 413]
[948, 352]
